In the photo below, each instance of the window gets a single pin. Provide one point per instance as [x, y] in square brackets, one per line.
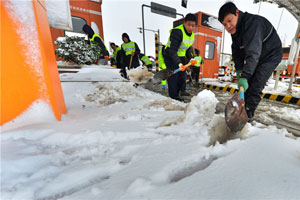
[77, 23]
[209, 50]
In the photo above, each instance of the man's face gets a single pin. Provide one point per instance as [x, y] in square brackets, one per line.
[230, 22]
[113, 47]
[189, 26]
[125, 39]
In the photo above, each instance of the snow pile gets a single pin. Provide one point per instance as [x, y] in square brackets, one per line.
[140, 75]
[107, 94]
[202, 108]
[38, 112]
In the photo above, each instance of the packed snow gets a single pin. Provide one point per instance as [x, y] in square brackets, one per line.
[121, 142]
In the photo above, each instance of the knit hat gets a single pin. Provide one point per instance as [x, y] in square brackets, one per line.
[125, 35]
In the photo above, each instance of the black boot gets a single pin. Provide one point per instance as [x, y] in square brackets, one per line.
[184, 93]
[250, 114]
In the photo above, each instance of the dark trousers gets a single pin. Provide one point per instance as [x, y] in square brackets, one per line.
[257, 83]
[176, 82]
[195, 73]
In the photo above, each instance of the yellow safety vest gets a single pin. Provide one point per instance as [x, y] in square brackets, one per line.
[128, 48]
[92, 40]
[199, 59]
[187, 41]
[146, 60]
[161, 60]
[162, 65]
[116, 52]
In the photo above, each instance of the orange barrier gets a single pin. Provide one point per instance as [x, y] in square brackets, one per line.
[23, 82]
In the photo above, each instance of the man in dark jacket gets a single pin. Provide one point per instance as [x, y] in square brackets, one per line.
[256, 51]
[96, 39]
[130, 49]
[177, 53]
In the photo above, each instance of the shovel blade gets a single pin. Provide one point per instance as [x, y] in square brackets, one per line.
[235, 113]
[163, 75]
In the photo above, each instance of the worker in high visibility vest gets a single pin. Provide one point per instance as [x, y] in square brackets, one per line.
[130, 51]
[94, 38]
[117, 55]
[146, 61]
[196, 67]
[162, 65]
[177, 53]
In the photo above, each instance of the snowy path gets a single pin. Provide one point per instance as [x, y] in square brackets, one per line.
[121, 142]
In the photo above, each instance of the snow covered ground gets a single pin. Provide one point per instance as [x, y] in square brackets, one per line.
[121, 142]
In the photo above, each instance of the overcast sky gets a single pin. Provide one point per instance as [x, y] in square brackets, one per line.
[126, 16]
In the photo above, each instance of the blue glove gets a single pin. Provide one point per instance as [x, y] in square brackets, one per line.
[243, 83]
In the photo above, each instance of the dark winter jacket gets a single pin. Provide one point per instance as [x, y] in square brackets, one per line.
[119, 59]
[171, 52]
[88, 30]
[135, 59]
[255, 42]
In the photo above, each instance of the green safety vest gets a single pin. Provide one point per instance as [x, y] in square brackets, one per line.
[162, 65]
[92, 40]
[161, 60]
[128, 48]
[187, 41]
[199, 59]
[146, 60]
[116, 52]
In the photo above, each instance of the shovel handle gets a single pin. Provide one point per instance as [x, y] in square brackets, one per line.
[242, 93]
[187, 65]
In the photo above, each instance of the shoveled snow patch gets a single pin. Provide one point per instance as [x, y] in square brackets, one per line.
[140, 75]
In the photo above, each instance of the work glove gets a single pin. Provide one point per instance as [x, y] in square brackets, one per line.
[182, 67]
[243, 83]
[238, 73]
[106, 57]
[193, 61]
[132, 53]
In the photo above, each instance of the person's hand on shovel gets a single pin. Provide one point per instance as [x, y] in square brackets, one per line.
[243, 83]
[243, 86]
[182, 67]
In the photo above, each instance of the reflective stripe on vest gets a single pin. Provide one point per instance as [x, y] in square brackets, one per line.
[116, 52]
[199, 59]
[128, 47]
[187, 41]
[146, 60]
[161, 60]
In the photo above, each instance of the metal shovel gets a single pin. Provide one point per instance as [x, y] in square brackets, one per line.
[235, 113]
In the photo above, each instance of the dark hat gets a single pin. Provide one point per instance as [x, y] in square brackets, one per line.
[125, 35]
[88, 30]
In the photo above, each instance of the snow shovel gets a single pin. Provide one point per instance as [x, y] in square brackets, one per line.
[235, 113]
[166, 73]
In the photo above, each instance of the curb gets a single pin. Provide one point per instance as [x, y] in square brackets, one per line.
[275, 97]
